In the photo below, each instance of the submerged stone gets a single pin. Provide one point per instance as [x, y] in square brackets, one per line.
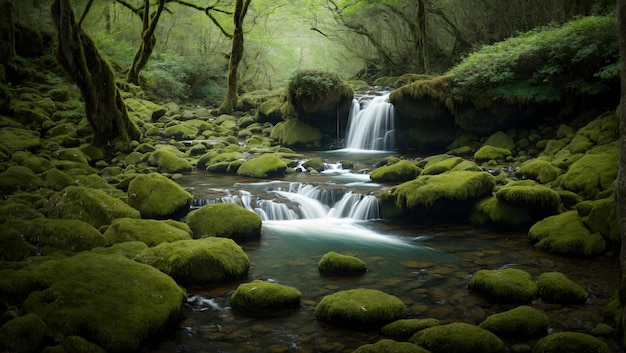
[521, 322]
[388, 346]
[555, 287]
[266, 166]
[509, 285]
[566, 234]
[396, 172]
[360, 307]
[458, 338]
[226, 220]
[156, 196]
[264, 298]
[198, 261]
[571, 342]
[334, 263]
[149, 231]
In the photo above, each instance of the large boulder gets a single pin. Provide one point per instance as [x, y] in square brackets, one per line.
[360, 307]
[198, 261]
[121, 302]
[226, 220]
[538, 200]
[555, 287]
[169, 161]
[264, 298]
[18, 178]
[594, 173]
[521, 322]
[458, 338]
[266, 166]
[23, 334]
[403, 329]
[493, 211]
[566, 234]
[156, 196]
[510, 285]
[294, 132]
[540, 170]
[397, 172]
[13, 246]
[149, 231]
[571, 342]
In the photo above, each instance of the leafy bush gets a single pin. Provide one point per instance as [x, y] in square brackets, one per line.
[313, 84]
[541, 65]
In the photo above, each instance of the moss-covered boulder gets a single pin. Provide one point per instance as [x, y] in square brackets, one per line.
[23, 334]
[62, 235]
[397, 172]
[57, 180]
[121, 302]
[500, 139]
[226, 220]
[77, 344]
[270, 111]
[540, 170]
[510, 285]
[492, 211]
[15, 209]
[538, 200]
[88, 205]
[403, 329]
[458, 338]
[488, 153]
[451, 194]
[314, 163]
[360, 307]
[266, 166]
[593, 173]
[156, 196]
[571, 342]
[521, 322]
[198, 261]
[264, 298]
[13, 246]
[566, 234]
[168, 161]
[16, 139]
[149, 231]
[18, 178]
[35, 163]
[390, 346]
[438, 166]
[600, 216]
[337, 264]
[183, 131]
[555, 287]
[294, 132]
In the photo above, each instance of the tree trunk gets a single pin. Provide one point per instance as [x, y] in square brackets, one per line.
[236, 54]
[421, 25]
[148, 41]
[104, 107]
[7, 33]
[621, 176]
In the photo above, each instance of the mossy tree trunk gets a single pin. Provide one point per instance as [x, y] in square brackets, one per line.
[236, 54]
[104, 106]
[621, 177]
[148, 40]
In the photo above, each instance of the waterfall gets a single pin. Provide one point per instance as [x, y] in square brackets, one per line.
[371, 127]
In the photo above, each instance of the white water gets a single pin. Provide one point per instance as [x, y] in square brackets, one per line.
[371, 127]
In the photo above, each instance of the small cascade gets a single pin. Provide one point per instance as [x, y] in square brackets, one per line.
[371, 125]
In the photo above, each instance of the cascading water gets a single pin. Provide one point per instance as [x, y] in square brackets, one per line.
[371, 124]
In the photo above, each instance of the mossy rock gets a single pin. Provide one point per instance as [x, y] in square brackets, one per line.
[148, 231]
[337, 264]
[266, 166]
[396, 172]
[440, 191]
[405, 328]
[23, 334]
[92, 206]
[570, 342]
[569, 199]
[184, 131]
[198, 261]
[492, 211]
[122, 302]
[156, 196]
[540, 170]
[269, 111]
[488, 153]
[57, 180]
[521, 322]
[390, 346]
[315, 164]
[35, 163]
[13, 246]
[294, 132]
[600, 216]
[169, 162]
[360, 307]
[17, 178]
[539, 200]
[63, 235]
[510, 285]
[437, 167]
[15, 209]
[72, 154]
[593, 173]
[566, 234]
[602, 130]
[16, 139]
[555, 287]
[226, 220]
[74, 344]
[264, 298]
[500, 139]
[458, 338]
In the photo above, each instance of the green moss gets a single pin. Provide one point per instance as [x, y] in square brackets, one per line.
[568, 199]
[314, 163]
[19, 178]
[16, 139]
[334, 263]
[198, 261]
[425, 191]
[492, 211]
[93, 181]
[76, 344]
[14, 209]
[23, 334]
[509, 285]
[151, 232]
[128, 249]
[156, 196]
[183, 131]
[264, 298]
[13, 247]
[72, 154]
[555, 287]
[389, 346]
[35, 163]
[227, 220]
[169, 162]
[537, 199]
[397, 172]
[294, 132]
[405, 328]
[602, 130]
[458, 338]
[566, 234]
[434, 167]
[108, 299]
[501, 140]
[540, 170]
[360, 307]
[63, 235]
[593, 173]
[600, 216]
[88, 205]
[521, 322]
[487, 153]
[266, 166]
[570, 342]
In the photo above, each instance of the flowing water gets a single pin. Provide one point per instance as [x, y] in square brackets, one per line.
[427, 266]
